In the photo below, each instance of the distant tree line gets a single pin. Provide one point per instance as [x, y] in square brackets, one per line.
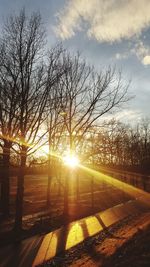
[121, 145]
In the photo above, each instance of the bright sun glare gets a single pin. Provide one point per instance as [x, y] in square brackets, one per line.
[71, 160]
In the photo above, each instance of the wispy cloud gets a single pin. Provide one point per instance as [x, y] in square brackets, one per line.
[122, 55]
[105, 21]
[142, 51]
[125, 115]
[139, 49]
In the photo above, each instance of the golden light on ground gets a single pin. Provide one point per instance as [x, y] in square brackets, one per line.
[75, 235]
[71, 160]
[47, 249]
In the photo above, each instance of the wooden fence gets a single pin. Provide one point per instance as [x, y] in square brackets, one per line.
[138, 180]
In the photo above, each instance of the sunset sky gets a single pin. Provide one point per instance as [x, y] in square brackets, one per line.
[106, 32]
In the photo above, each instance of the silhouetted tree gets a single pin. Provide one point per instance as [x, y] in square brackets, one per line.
[32, 75]
[88, 96]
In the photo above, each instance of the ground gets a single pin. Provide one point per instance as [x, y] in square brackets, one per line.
[125, 244]
[107, 249]
[104, 197]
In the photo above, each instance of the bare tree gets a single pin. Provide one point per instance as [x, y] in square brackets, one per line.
[55, 126]
[32, 80]
[88, 96]
[8, 109]
[54, 122]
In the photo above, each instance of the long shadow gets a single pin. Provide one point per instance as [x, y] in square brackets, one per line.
[23, 254]
[105, 228]
[62, 236]
[90, 248]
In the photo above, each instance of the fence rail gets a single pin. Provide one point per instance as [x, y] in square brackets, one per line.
[141, 181]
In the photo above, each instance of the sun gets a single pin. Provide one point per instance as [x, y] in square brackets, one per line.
[71, 160]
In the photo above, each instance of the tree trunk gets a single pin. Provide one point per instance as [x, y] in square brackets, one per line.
[49, 190]
[77, 189]
[5, 179]
[49, 182]
[66, 192]
[92, 193]
[20, 191]
[59, 184]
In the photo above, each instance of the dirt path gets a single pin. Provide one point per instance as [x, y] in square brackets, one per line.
[126, 244]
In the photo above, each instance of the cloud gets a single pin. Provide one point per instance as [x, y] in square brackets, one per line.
[142, 51]
[128, 115]
[105, 21]
[146, 60]
[139, 49]
[125, 115]
[122, 55]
